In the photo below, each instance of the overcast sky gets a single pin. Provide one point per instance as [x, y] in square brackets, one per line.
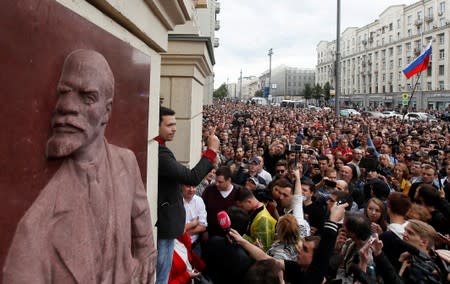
[293, 28]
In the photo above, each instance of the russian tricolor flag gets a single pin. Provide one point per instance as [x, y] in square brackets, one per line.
[419, 64]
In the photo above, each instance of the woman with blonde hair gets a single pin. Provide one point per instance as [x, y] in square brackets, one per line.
[399, 180]
[288, 239]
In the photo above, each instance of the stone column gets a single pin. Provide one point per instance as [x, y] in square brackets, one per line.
[185, 69]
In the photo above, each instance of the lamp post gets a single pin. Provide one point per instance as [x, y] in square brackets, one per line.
[338, 58]
[270, 72]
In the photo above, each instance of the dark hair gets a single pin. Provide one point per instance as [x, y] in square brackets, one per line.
[429, 194]
[239, 219]
[224, 171]
[310, 183]
[164, 111]
[280, 163]
[358, 224]
[263, 272]
[315, 239]
[282, 182]
[322, 158]
[398, 203]
[243, 194]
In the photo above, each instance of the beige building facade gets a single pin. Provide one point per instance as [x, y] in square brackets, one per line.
[373, 57]
[178, 36]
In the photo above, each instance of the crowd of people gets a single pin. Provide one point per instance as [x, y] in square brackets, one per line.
[284, 177]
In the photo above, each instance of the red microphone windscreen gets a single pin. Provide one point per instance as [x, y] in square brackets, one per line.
[224, 220]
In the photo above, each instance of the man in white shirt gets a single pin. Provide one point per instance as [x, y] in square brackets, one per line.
[196, 222]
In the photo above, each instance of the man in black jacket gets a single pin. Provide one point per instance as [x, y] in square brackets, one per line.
[171, 175]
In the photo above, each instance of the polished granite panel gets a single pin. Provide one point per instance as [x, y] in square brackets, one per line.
[35, 38]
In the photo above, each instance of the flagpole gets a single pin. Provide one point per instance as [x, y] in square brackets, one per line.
[412, 94]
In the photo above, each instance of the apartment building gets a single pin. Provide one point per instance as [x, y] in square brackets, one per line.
[373, 57]
[288, 82]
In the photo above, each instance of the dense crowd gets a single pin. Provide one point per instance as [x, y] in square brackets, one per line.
[285, 175]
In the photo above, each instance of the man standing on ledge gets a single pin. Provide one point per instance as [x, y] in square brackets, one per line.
[91, 222]
[171, 175]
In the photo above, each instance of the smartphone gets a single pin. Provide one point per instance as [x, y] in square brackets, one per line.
[342, 201]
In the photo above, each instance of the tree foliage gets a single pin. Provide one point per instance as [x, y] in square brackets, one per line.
[221, 92]
[317, 92]
[308, 92]
[259, 93]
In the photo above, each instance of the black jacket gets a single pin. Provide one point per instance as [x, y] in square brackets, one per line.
[171, 175]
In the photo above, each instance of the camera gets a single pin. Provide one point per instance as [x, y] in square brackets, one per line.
[294, 148]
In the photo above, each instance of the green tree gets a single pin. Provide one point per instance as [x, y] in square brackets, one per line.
[317, 92]
[326, 91]
[259, 93]
[307, 92]
[221, 92]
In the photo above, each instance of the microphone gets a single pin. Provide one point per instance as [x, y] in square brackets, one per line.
[224, 221]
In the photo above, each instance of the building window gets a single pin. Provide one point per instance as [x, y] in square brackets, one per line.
[399, 62]
[441, 85]
[441, 70]
[442, 7]
[429, 86]
[441, 54]
[441, 38]
[409, 20]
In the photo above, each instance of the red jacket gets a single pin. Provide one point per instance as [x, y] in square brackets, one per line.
[178, 272]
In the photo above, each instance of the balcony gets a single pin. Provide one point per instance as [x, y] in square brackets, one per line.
[216, 42]
[418, 22]
[217, 26]
[217, 7]
[429, 19]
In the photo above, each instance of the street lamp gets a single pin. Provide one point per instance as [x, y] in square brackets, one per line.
[338, 58]
[270, 72]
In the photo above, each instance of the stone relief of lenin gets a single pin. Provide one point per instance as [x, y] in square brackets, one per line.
[91, 223]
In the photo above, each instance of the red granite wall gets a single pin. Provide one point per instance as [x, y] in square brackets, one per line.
[35, 37]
